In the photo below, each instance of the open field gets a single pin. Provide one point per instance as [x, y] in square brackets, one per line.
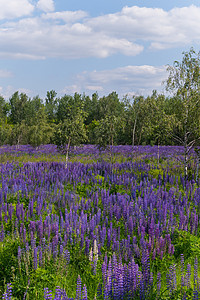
[122, 230]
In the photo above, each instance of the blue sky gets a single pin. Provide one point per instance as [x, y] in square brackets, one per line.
[88, 46]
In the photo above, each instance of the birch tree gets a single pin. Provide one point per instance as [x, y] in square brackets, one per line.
[71, 132]
[184, 82]
[106, 133]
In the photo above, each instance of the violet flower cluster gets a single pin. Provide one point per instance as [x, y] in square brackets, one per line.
[60, 294]
[129, 281]
[122, 208]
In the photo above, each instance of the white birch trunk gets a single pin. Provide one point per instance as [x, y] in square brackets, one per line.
[67, 154]
[133, 138]
[158, 154]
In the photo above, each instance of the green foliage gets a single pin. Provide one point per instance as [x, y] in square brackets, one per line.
[18, 107]
[155, 173]
[55, 272]
[108, 119]
[71, 130]
[8, 259]
[186, 244]
[5, 133]
[106, 133]
[51, 105]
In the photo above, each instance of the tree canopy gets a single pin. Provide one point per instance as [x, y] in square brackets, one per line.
[108, 120]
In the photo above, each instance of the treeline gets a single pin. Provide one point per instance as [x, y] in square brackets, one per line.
[76, 119]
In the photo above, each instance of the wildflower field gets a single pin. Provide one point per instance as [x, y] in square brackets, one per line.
[98, 230]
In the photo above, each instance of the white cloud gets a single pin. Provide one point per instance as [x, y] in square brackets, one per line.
[162, 29]
[5, 74]
[21, 55]
[126, 80]
[66, 16]
[94, 88]
[15, 8]
[70, 34]
[9, 90]
[36, 37]
[46, 5]
[71, 89]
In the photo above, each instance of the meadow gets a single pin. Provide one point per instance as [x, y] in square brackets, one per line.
[98, 230]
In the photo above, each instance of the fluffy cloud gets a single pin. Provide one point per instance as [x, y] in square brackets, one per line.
[162, 29]
[46, 5]
[5, 74]
[35, 37]
[66, 16]
[76, 35]
[9, 90]
[15, 8]
[140, 80]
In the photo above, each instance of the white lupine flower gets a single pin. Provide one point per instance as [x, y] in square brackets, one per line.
[95, 250]
[91, 255]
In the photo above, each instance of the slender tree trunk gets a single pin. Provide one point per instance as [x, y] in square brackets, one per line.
[140, 136]
[185, 155]
[185, 162]
[18, 140]
[186, 139]
[112, 149]
[197, 171]
[67, 153]
[158, 154]
[133, 138]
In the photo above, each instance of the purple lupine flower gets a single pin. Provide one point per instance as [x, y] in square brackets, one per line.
[40, 258]
[196, 280]
[195, 294]
[19, 256]
[169, 282]
[84, 293]
[174, 283]
[108, 286]
[40, 230]
[141, 285]
[121, 287]
[24, 235]
[161, 255]
[47, 294]
[67, 256]
[8, 294]
[59, 293]
[145, 267]
[78, 288]
[87, 246]
[33, 243]
[158, 283]
[196, 270]
[43, 244]
[10, 211]
[182, 271]
[154, 254]
[151, 279]
[172, 249]
[104, 271]
[35, 258]
[188, 275]
[184, 296]
[61, 249]
[132, 272]
[95, 266]
[115, 277]
[2, 233]
[171, 279]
